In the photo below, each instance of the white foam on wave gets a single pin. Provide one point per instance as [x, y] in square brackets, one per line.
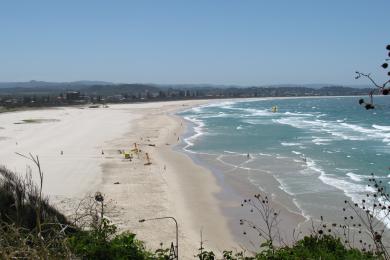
[297, 114]
[354, 177]
[382, 127]
[303, 212]
[320, 140]
[339, 129]
[379, 132]
[265, 154]
[355, 191]
[212, 115]
[198, 131]
[284, 187]
[290, 144]
[195, 109]
[256, 112]
[256, 121]
[254, 182]
[239, 166]
[295, 152]
[235, 153]
[350, 189]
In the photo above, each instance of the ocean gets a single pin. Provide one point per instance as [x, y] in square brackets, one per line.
[319, 150]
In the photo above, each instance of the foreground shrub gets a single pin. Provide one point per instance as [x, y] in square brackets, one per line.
[103, 243]
[315, 247]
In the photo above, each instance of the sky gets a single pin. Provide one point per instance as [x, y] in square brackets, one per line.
[230, 42]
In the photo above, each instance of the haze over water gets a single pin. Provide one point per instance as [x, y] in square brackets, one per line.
[319, 149]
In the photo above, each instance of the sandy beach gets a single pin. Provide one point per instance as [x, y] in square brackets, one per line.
[81, 152]
[78, 149]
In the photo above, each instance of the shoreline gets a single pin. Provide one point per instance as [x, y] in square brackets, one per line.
[337, 195]
[171, 186]
[26, 108]
[79, 152]
[235, 188]
[175, 184]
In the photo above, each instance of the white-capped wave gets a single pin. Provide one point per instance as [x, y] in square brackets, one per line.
[256, 121]
[355, 191]
[290, 144]
[354, 177]
[264, 154]
[321, 141]
[297, 114]
[340, 130]
[256, 112]
[231, 152]
[382, 127]
[198, 131]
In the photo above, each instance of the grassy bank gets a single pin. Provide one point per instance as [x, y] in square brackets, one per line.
[31, 228]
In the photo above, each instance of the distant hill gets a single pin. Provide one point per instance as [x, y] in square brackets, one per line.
[87, 83]
[45, 84]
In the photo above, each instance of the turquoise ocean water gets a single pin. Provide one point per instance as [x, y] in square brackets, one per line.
[313, 147]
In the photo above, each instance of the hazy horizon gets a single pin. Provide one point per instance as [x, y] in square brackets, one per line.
[251, 43]
[102, 82]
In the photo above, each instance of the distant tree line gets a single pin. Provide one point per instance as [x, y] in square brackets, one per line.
[128, 93]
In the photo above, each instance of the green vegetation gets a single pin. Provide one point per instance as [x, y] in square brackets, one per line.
[310, 247]
[9, 109]
[30, 228]
[316, 247]
[103, 243]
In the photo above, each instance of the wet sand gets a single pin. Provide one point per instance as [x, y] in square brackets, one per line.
[172, 185]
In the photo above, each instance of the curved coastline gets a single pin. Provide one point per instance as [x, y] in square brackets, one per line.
[240, 184]
[194, 188]
[92, 141]
[236, 187]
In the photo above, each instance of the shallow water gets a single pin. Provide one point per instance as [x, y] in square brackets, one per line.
[318, 149]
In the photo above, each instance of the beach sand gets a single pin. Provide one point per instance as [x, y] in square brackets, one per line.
[78, 149]
[171, 186]
[80, 152]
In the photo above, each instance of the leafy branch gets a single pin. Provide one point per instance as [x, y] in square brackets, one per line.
[382, 88]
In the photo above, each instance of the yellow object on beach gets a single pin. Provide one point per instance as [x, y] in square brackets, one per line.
[127, 155]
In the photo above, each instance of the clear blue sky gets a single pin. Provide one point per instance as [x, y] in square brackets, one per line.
[221, 42]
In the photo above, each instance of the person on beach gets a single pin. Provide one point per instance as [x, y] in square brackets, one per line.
[62, 152]
[248, 156]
